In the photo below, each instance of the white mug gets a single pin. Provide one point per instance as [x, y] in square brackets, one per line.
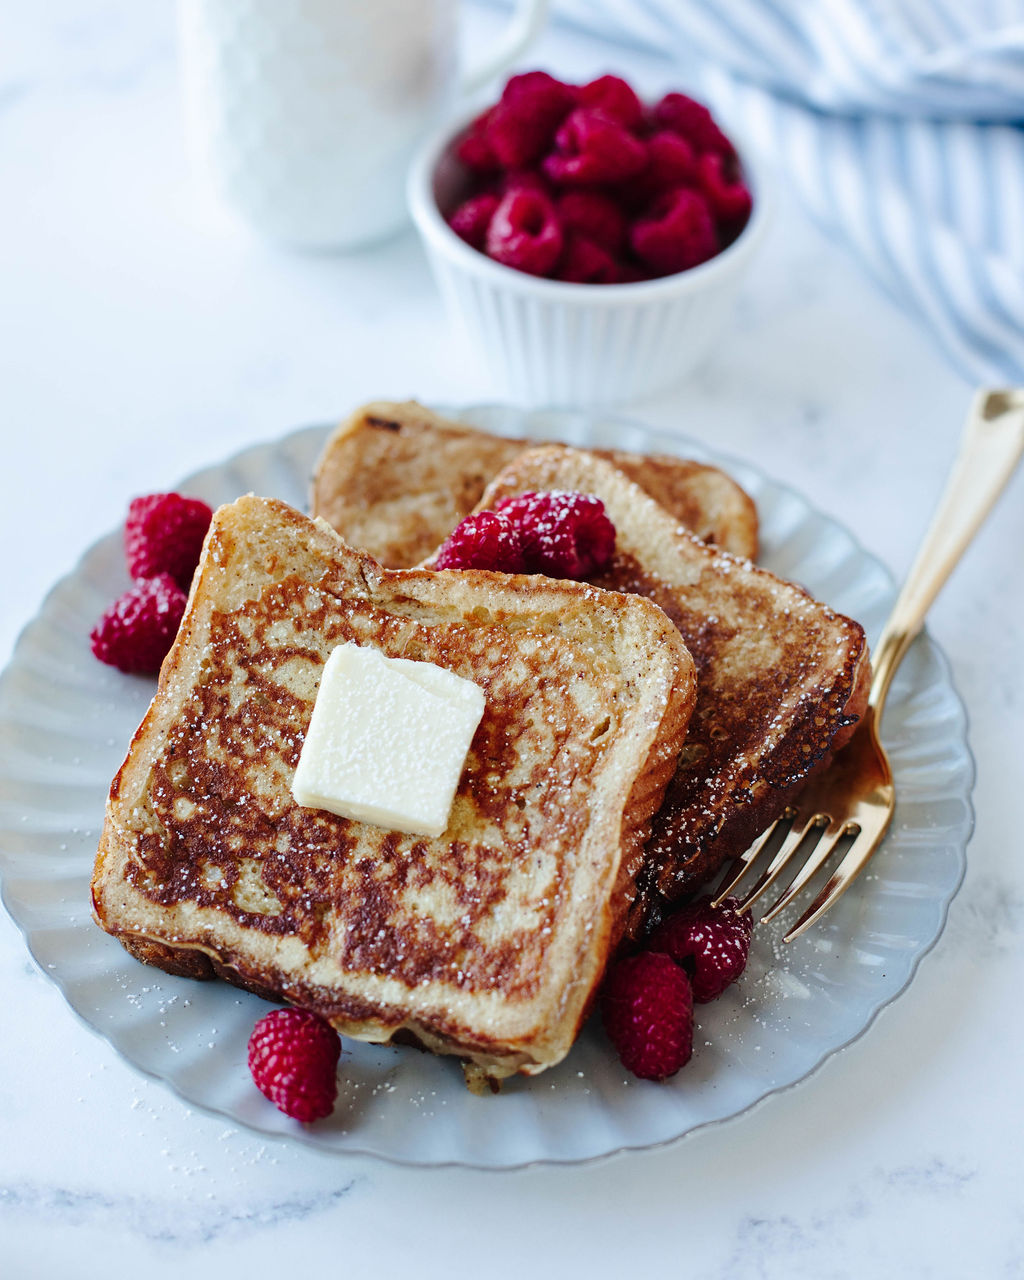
[304, 114]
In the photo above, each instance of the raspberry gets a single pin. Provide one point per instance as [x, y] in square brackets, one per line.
[615, 98]
[671, 162]
[594, 148]
[532, 106]
[472, 218]
[593, 215]
[563, 535]
[647, 1007]
[137, 630]
[711, 943]
[486, 540]
[676, 233]
[588, 186]
[693, 121]
[725, 191]
[164, 534]
[473, 148]
[524, 179]
[585, 262]
[525, 233]
[293, 1058]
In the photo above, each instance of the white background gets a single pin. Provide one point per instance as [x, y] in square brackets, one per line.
[143, 335]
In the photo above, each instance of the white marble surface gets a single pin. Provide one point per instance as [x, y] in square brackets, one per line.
[143, 336]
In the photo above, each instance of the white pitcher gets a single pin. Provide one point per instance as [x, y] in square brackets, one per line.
[304, 114]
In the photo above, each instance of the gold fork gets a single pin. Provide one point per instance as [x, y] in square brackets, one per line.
[855, 796]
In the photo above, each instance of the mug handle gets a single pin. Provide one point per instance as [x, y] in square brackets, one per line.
[523, 28]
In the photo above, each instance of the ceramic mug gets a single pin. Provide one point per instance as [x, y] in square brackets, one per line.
[304, 114]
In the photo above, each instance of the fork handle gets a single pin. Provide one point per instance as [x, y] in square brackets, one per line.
[992, 445]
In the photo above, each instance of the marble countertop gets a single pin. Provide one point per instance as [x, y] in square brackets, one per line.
[144, 336]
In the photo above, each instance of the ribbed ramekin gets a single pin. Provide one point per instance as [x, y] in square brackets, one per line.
[548, 342]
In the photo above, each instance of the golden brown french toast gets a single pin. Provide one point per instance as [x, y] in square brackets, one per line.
[780, 677]
[395, 479]
[487, 942]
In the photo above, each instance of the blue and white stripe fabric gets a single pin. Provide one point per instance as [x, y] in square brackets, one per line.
[900, 124]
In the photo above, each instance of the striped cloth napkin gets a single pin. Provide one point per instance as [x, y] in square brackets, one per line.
[900, 124]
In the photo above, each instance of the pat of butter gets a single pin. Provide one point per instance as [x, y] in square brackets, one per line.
[387, 741]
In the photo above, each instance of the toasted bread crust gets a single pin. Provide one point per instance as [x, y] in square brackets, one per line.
[395, 479]
[781, 678]
[487, 943]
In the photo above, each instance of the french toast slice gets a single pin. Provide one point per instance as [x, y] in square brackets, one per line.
[487, 942]
[395, 479]
[781, 678]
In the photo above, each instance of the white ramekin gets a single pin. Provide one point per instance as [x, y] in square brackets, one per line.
[544, 342]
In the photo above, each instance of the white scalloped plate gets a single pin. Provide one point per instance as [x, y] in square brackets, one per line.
[65, 721]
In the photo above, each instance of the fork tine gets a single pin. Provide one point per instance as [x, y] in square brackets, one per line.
[749, 857]
[856, 858]
[824, 850]
[789, 846]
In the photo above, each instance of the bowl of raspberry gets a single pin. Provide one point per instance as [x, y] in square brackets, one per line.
[589, 245]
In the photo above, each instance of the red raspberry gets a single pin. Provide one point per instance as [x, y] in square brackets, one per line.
[671, 162]
[693, 121]
[525, 233]
[585, 262]
[711, 943]
[164, 533]
[522, 124]
[293, 1058]
[563, 535]
[647, 1007]
[472, 218]
[676, 233]
[486, 540]
[137, 630]
[593, 215]
[473, 148]
[615, 98]
[725, 191]
[525, 180]
[593, 148]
